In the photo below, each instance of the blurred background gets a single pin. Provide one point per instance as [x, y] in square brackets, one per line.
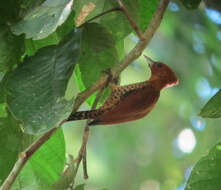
[158, 152]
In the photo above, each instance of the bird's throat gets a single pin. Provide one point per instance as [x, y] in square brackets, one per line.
[159, 84]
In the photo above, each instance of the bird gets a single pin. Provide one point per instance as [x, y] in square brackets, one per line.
[131, 102]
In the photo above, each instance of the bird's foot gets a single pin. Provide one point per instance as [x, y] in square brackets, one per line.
[111, 81]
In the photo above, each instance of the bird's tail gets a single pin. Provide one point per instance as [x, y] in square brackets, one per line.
[83, 115]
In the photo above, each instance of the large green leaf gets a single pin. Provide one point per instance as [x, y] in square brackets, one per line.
[45, 166]
[11, 48]
[98, 52]
[33, 45]
[43, 20]
[35, 89]
[10, 142]
[212, 109]
[147, 9]
[116, 22]
[206, 174]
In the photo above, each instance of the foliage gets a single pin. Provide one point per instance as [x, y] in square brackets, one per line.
[11, 140]
[191, 4]
[46, 165]
[43, 50]
[206, 173]
[212, 108]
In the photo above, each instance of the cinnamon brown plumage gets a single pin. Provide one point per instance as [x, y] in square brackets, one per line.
[131, 102]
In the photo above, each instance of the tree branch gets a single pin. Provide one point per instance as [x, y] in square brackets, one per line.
[133, 54]
[129, 58]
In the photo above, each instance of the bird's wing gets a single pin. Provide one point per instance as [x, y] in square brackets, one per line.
[131, 105]
[121, 92]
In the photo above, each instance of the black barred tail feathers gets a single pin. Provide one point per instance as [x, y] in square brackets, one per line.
[82, 115]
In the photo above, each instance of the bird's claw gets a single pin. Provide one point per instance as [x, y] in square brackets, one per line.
[111, 79]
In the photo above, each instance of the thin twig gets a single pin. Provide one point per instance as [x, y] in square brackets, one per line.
[100, 15]
[133, 54]
[84, 163]
[130, 19]
[82, 151]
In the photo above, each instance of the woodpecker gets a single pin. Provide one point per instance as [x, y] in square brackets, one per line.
[131, 102]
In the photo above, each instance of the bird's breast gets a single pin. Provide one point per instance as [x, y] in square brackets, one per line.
[132, 107]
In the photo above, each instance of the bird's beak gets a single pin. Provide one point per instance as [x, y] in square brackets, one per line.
[151, 62]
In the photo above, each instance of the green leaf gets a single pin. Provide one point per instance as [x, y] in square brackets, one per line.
[79, 187]
[191, 4]
[3, 112]
[66, 179]
[212, 109]
[11, 48]
[147, 9]
[45, 166]
[33, 45]
[2, 94]
[35, 89]
[9, 11]
[116, 22]
[44, 20]
[206, 174]
[98, 52]
[10, 142]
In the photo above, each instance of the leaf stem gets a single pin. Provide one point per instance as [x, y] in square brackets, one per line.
[100, 15]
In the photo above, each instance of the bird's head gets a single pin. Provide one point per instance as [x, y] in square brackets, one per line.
[162, 72]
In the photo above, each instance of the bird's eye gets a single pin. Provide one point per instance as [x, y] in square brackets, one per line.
[159, 65]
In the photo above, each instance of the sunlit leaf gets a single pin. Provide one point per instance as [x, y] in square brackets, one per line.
[3, 112]
[45, 166]
[44, 19]
[206, 174]
[33, 45]
[36, 88]
[147, 9]
[212, 109]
